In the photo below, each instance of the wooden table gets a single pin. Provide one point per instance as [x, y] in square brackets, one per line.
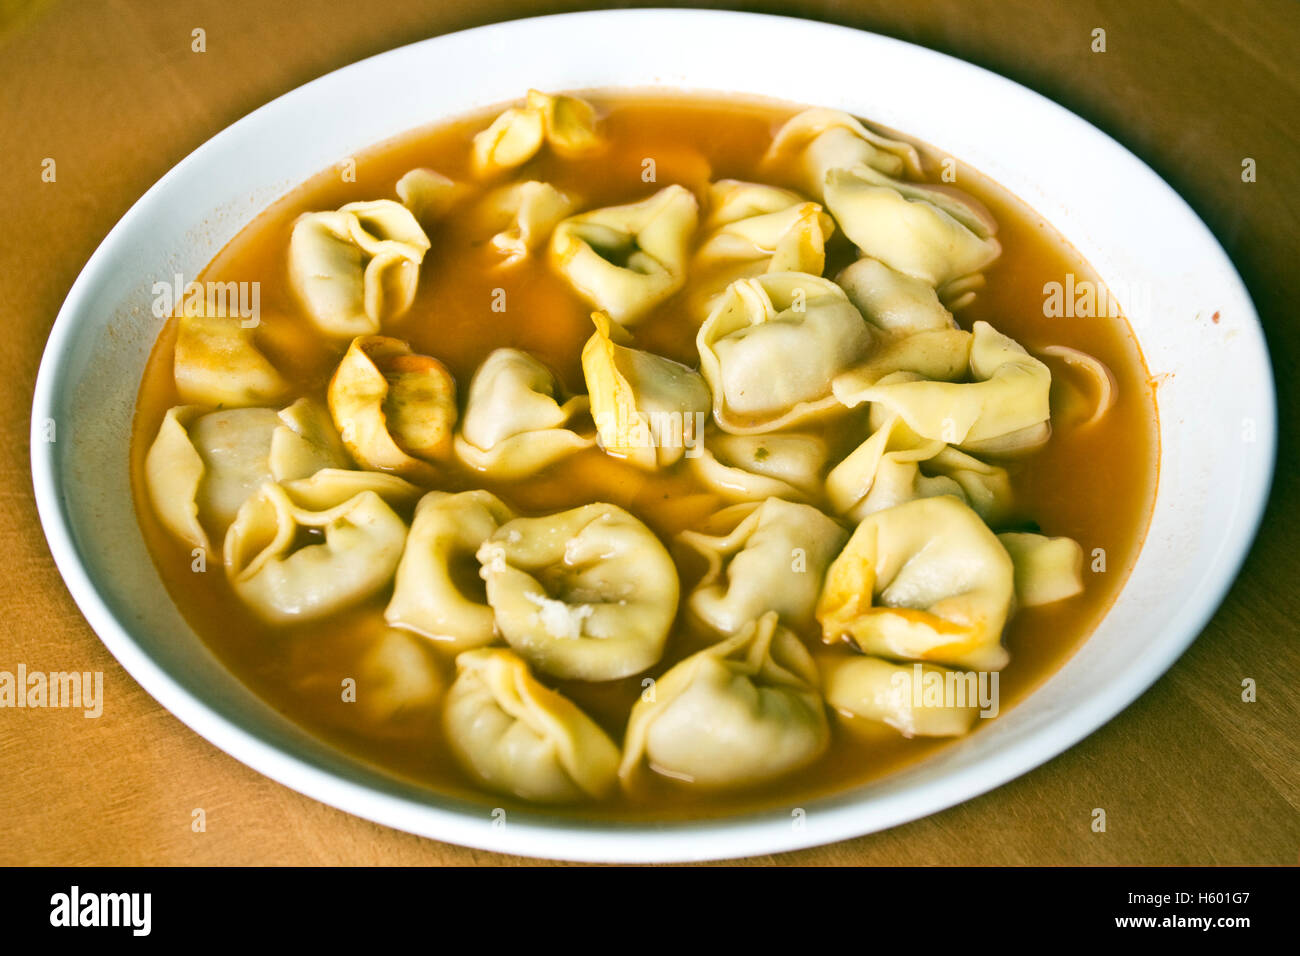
[113, 92]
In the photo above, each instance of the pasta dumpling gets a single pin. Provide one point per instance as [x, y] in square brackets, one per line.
[518, 737]
[625, 260]
[924, 580]
[586, 594]
[740, 712]
[1005, 409]
[521, 217]
[756, 467]
[517, 421]
[817, 141]
[203, 464]
[397, 684]
[772, 558]
[435, 593]
[895, 465]
[1047, 569]
[751, 229]
[921, 231]
[394, 409]
[361, 539]
[873, 689]
[771, 347]
[648, 409]
[216, 362]
[897, 304]
[356, 267]
[428, 194]
[566, 123]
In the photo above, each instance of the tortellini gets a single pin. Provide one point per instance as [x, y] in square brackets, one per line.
[358, 266]
[1104, 387]
[216, 362]
[879, 690]
[520, 738]
[566, 123]
[517, 421]
[817, 141]
[895, 465]
[204, 464]
[1047, 569]
[1006, 408]
[743, 711]
[919, 230]
[521, 217]
[395, 410]
[751, 229]
[772, 558]
[429, 194]
[755, 467]
[771, 347]
[648, 409]
[924, 580]
[438, 592]
[586, 594]
[895, 303]
[286, 581]
[398, 686]
[625, 260]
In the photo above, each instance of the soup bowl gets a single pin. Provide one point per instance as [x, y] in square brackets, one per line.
[1188, 309]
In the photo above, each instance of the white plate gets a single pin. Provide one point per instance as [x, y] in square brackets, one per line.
[1217, 396]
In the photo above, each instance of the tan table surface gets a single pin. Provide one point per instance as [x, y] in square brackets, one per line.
[112, 91]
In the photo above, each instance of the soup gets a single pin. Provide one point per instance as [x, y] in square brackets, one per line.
[655, 457]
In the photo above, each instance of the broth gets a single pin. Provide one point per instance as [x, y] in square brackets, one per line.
[1095, 485]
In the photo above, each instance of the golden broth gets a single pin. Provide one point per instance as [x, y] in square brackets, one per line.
[1095, 485]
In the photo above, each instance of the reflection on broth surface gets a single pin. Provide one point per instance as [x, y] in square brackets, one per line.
[378, 691]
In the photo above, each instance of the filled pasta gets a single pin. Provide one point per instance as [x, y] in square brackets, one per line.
[770, 558]
[1047, 569]
[648, 409]
[752, 228]
[517, 420]
[756, 467]
[204, 464]
[895, 465]
[518, 737]
[925, 580]
[216, 362]
[361, 538]
[1005, 409]
[817, 141]
[586, 594]
[395, 410]
[438, 591]
[428, 194]
[740, 712]
[625, 260]
[872, 689]
[356, 267]
[896, 304]
[565, 123]
[746, 344]
[521, 217]
[921, 231]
